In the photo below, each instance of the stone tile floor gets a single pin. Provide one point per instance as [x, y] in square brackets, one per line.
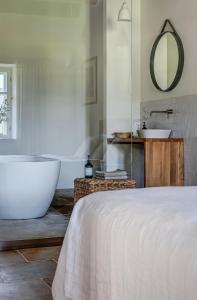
[28, 274]
[54, 224]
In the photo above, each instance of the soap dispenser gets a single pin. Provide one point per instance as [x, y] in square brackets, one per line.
[144, 126]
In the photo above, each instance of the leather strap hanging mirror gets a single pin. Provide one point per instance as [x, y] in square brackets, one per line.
[167, 59]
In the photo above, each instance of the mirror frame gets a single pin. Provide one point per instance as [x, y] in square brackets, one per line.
[180, 60]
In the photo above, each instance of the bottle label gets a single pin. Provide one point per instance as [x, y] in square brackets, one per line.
[88, 172]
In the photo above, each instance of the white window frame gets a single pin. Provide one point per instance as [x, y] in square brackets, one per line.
[10, 69]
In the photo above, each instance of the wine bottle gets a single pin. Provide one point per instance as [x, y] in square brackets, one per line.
[88, 168]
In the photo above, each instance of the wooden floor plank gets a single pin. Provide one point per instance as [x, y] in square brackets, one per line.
[31, 243]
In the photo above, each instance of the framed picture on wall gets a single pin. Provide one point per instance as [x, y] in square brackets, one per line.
[91, 80]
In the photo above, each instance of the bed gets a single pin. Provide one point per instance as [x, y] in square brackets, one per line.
[131, 245]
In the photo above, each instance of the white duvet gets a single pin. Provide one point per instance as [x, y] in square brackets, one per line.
[131, 245]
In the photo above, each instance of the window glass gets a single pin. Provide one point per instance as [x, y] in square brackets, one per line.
[3, 82]
[7, 102]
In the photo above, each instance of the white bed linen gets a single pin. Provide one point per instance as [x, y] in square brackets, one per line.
[131, 245]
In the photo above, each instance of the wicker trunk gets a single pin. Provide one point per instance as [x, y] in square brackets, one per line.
[84, 187]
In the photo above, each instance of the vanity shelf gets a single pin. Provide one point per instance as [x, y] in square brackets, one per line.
[163, 160]
[136, 140]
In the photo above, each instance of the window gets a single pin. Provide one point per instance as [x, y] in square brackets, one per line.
[7, 101]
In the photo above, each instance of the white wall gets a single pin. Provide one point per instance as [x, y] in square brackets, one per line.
[118, 83]
[136, 63]
[183, 15]
[49, 42]
[95, 112]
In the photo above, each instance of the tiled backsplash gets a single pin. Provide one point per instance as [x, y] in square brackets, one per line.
[183, 124]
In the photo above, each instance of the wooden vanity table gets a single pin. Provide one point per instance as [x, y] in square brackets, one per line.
[163, 160]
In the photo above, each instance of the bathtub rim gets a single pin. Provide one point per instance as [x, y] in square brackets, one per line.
[21, 159]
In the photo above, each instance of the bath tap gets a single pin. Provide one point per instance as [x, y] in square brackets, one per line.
[167, 111]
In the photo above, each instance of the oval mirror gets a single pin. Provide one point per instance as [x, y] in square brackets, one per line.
[167, 60]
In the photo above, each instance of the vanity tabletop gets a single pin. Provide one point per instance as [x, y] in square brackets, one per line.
[137, 140]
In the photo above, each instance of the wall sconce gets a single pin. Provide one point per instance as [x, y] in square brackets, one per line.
[124, 14]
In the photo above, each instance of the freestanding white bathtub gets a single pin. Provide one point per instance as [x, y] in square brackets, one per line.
[27, 185]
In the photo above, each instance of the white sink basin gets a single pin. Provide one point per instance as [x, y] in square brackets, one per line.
[155, 133]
